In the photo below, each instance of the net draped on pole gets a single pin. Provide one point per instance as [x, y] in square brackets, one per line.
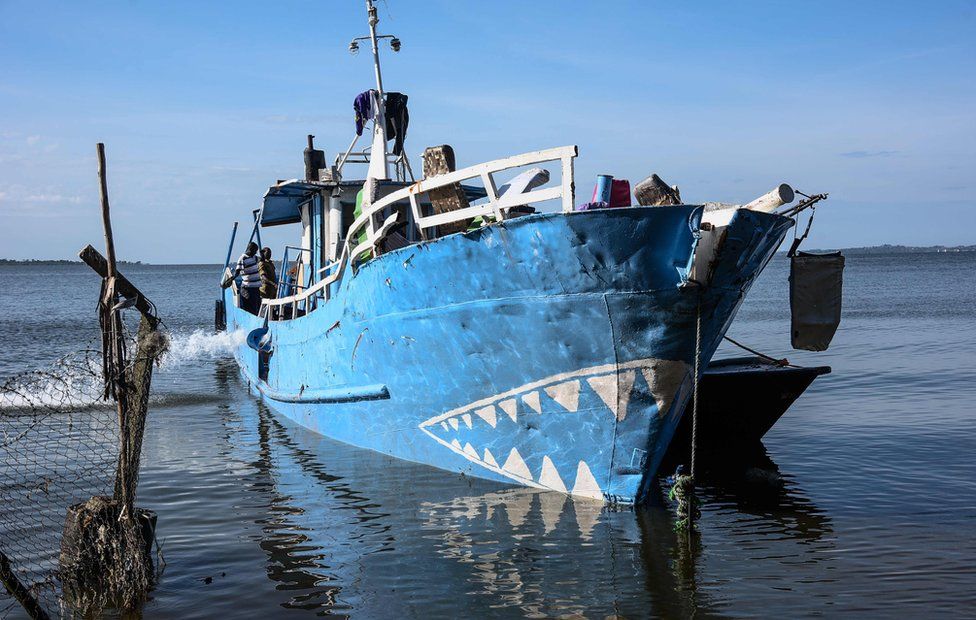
[72, 541]
[66, 461]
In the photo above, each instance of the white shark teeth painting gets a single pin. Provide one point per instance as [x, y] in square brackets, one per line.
[522, 433]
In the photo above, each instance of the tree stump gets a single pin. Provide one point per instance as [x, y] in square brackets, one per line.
[106, 558]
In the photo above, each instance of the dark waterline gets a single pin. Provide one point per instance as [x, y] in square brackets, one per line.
[863, 499]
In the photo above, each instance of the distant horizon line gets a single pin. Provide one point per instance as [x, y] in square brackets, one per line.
[886, 247]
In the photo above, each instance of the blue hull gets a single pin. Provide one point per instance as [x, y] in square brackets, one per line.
[552, 351]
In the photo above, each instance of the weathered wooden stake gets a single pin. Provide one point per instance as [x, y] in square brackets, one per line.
[19, 592]
[112, 339]
[106, 217]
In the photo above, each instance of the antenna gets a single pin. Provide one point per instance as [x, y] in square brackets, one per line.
[378, 165]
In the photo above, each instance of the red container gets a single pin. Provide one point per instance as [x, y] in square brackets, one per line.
[620, 193]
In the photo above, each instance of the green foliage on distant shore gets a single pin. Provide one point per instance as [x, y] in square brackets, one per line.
[909, 249]
[34, 261]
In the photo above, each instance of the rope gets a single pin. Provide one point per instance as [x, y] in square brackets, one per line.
[694, 407]
[683, 486]
[780, 362]
[797, 241]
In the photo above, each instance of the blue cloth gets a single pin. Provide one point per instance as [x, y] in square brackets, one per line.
[363, 105]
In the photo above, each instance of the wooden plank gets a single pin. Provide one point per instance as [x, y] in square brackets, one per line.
[91, 257]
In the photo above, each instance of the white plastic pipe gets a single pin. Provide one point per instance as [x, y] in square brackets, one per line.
[768, 202]
[773, 199]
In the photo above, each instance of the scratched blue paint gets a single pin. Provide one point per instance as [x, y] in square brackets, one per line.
[542, 305]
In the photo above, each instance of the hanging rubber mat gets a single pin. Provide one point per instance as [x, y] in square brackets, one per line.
[816, 286]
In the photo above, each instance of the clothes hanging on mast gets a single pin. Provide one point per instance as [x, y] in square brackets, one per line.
[397, 119]
[365, 106]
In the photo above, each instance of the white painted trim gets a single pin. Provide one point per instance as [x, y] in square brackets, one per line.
[495, 207]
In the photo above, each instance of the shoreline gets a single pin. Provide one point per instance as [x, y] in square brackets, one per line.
[864, 250]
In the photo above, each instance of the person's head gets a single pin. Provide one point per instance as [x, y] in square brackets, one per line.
[266, 253]
[251, 249]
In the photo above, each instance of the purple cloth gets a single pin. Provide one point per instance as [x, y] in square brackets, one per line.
[589, 206]
[363, 105]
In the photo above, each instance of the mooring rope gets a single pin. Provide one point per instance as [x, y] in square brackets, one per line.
[694, 389]
[683, 485]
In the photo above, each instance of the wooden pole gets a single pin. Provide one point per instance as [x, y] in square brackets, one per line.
[19, 592]
[106, 217]
[115, 346]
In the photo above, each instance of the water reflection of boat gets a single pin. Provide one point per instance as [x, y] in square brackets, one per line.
[331, 543]
[550, 555]
[745, 480]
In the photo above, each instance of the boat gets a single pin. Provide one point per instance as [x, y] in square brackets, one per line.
[478, 320]
[740, 399]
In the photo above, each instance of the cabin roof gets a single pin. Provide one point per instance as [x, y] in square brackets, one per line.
[283, 201]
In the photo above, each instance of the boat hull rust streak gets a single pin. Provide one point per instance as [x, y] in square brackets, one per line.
[552, 350]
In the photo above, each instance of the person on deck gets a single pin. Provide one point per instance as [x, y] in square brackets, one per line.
[247, 268]
[269, 279]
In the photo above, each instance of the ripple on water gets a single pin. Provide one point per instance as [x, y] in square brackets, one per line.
[862, 501]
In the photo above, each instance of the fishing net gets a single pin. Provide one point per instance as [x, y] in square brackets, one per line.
[72, 543]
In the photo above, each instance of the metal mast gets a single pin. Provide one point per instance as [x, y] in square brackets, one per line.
[379, 168]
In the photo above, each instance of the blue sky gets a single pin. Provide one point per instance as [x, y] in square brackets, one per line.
[203, 105]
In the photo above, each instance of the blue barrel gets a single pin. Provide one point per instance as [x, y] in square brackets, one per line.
[601, 192]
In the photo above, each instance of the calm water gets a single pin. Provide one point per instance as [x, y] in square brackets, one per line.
[875, 514]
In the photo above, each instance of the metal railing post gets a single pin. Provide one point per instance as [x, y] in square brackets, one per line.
[230, 252]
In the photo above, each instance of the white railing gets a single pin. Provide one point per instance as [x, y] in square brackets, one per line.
[495, 207]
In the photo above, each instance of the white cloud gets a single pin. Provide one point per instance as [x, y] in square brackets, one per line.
[44, 202]
[52, 199]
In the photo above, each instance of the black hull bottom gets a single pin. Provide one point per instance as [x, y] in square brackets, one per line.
[741, 399]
